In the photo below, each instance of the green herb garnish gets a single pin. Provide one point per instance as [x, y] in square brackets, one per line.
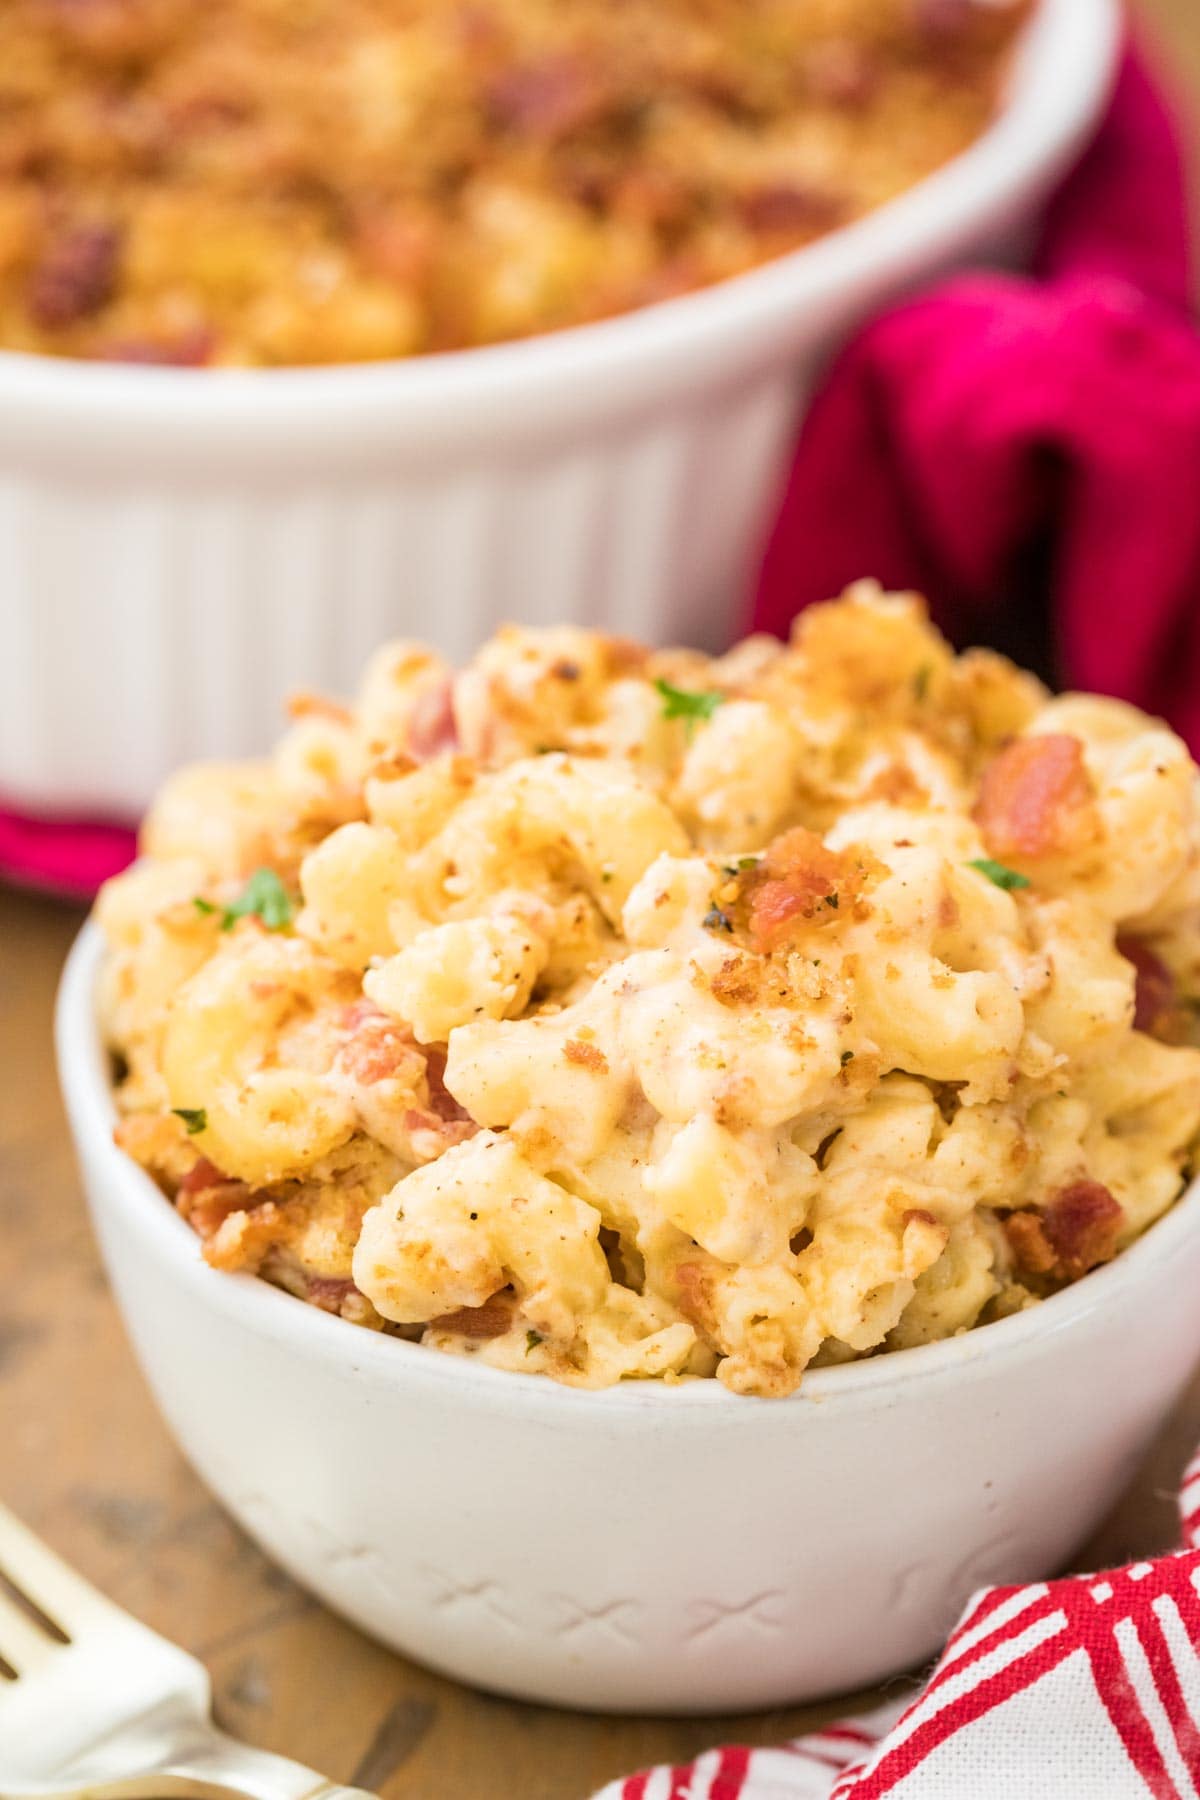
[532, 1340]
[832, 900]
[847, 1056]
[739, 867]
[921, 682]
[996, 872]
[716, 920]
[694, 707]
[195, 1119]
[263, 897]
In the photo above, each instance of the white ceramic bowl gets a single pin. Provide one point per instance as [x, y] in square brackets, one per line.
[180, 548]
[644, 1548]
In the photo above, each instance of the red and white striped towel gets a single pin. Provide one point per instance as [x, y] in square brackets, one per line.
[1087, 1688]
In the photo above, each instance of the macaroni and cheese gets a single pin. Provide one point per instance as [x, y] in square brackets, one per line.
[603, 1012]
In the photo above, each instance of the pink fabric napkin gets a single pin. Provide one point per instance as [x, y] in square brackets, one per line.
[1086, 1688]
[1001, 421]
[64, 856]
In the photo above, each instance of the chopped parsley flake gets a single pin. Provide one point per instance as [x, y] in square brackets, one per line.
[847, 1056]
[195, 1118]
[263, 897]
[532, 1340]
[716, 920]
[739, 867]
[832, 900]
[204, 906]
[921, 681]
[996, 872]
[694, 707]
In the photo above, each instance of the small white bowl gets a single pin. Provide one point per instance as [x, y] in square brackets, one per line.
[182, 547]
[643, 1549]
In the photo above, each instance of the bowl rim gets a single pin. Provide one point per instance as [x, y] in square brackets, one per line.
[269, 1312]
[1062, 73]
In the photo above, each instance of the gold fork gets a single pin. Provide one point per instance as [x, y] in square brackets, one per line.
[94, 1704]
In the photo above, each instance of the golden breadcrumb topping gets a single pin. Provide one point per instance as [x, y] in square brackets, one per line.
[321, 181]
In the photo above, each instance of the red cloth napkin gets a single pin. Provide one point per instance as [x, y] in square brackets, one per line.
[1054, 417]
[1081, 1689]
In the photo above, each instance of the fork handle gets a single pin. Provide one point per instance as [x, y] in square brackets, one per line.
[211, 1766]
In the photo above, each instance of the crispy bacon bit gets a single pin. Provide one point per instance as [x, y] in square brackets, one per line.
[790, 209]
[799, 879]
[398, 242]
[1036, 798]
[1156, 1007]
[376, 1048]
[203, 1174]
[695, 1301]
[329, 1292]
[1075, 1231]
[587, 1056]
[490, 1320]
[841, 72]
[441, 1100]
[75, 276]
[206, 1197]
[545, 99]
[432, 726]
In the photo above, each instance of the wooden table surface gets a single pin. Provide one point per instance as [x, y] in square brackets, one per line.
[85, 1459]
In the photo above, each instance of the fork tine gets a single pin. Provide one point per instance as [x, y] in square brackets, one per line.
[55, 1589]
[22, 1643]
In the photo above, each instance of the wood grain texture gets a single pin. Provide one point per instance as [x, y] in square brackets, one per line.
[85, 1459]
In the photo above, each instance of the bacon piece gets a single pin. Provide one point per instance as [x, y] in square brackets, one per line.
[329, 1292]
[376, 1047]
[799, 879]
[429, 1136]
[1075, 1231]
[545, 99]
[432, 726]
[841, 73]
[695, 1296]
[205, 1210]
[1155, 996]
[1036, 799]
[441, 1101]
[206, 1197]
[75, 276]
[790, 209]
[490, 1320]
[942, 18]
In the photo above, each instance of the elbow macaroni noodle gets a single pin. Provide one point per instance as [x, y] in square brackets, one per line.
[624, 1013]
